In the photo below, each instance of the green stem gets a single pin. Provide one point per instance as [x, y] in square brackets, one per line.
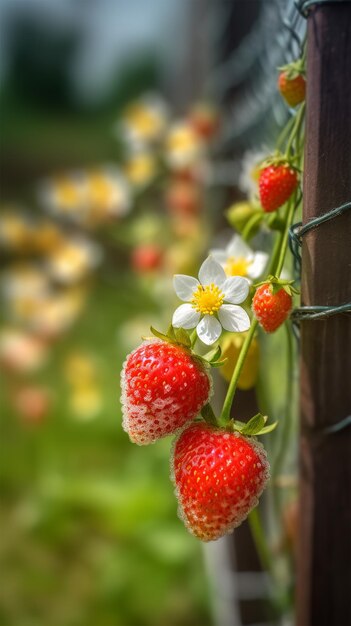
[260, 541]
[227, 405]
[285, 432]
[255, 219]
[284, 242]
[285, 132]
[295, 130]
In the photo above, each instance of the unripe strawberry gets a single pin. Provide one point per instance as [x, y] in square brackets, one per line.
[276, 185]
[146, 258]
[218, 478]
[293, 89]
[163, 388]
[271, 308]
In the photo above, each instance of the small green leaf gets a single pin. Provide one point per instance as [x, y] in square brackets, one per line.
[254, 425]
[214, 354]
[267, 429]
[218, 363]
[171, 332]
[182, 337]
[208, 415]
[158, 334]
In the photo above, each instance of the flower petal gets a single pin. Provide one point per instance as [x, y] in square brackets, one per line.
[238, 248]
[257, 265]
[184, 286]
[236, 289]
[234, 318]
[209, 329]
[211, 272]
[219, 255]
[185, 317]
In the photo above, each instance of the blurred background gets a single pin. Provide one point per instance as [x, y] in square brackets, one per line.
[128, 128]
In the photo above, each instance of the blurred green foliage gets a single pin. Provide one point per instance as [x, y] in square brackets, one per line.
[89, 527]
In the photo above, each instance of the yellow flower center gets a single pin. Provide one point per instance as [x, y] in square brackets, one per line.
[207, 300]
[67, 193]
[144, 120]
[236, 266]
[100, 190]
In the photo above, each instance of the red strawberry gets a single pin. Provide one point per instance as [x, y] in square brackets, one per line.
[276, 184]
[163, 388]
[218, 478]
[146, 258]
[292, 89]
[271, 309]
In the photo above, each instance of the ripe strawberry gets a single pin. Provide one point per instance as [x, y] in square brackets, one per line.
[292, 89]
[163, 387]
[218, 479]
[276, 184]
[271, 309]
[146, 258]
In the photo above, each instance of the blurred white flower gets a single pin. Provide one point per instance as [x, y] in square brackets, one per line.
[183, 148]
[250, 172]
[73, 260]
[140, 168]
[238, 259]
[143, 121]
[207, 300]
[64, 195]
[107, 194]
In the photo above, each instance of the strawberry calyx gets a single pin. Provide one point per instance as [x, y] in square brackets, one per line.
[277, 284]
[276, 159]
[255, 426]
[293, 69]
[180, 337]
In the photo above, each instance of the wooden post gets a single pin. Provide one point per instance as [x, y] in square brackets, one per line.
[324, 571]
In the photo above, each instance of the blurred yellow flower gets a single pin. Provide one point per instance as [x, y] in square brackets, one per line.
[80, 368]
[73, 260]
[231, 346]
[140, 169]
[108, 194]
[15, 230]
[143, 121]
[86, 402]
[183, 147]
[64, 195]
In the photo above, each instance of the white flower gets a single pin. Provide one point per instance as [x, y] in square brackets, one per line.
[206, 300]
[249, 175]
[183, 147]
[237, 259]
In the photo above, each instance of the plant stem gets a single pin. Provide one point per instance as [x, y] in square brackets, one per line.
[287, 421]
[284, 242]
[255, 219]
[225, 415]
[260, 540]
[295, 130]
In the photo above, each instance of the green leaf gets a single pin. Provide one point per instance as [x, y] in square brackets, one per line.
[208, 415]
[171, 332]
[158, 334]
[254, 425]
[213, 355]
[218, 363]
[182, 337]
[267, 429]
